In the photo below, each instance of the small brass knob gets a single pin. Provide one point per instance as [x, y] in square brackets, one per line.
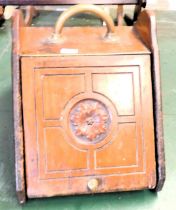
[93, 184]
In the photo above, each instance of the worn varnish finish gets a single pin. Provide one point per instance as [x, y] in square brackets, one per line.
[114, 159]
[147, 21]
[88, 109]
[17, 23]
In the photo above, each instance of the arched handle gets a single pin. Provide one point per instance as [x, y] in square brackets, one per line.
[84, 8]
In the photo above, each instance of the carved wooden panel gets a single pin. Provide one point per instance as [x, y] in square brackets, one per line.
[51, 85]
[118, 95]
[88, 122]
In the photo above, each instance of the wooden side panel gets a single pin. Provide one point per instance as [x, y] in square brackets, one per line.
[146, 28]
[17, 22]
[89, 136]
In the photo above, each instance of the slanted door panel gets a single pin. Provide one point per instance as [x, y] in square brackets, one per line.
[87, 122]
[122, 86]
[54, 90]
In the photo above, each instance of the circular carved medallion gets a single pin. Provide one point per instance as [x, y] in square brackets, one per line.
[90, 120]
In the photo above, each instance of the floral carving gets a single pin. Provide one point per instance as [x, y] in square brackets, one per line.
[90, 120]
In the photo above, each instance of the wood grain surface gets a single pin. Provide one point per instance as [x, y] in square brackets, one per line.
[90, 104]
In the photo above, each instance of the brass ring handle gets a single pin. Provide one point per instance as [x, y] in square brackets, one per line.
[84, 8]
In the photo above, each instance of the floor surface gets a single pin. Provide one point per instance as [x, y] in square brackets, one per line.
[164, 200]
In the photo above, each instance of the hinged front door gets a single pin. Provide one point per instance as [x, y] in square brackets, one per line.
[87, 129]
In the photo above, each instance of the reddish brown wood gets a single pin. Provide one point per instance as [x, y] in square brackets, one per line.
[146, 27]
[120, 15]
[62, 143]
[17, 23]
[42, 39]
[90, 120]
[70, 88]
[31, 12]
